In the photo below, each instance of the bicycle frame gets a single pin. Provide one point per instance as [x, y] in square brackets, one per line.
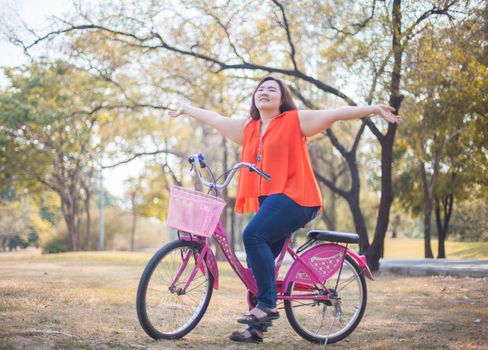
[313, 267]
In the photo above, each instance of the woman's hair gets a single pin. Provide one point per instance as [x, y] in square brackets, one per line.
[287, 103]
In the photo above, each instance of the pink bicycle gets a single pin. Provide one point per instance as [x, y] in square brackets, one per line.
[323, 292]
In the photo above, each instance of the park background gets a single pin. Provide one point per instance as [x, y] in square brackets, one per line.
[84, 122]
[87, 148]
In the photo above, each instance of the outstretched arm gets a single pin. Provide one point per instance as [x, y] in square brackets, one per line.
[232, 128]
[313, 122]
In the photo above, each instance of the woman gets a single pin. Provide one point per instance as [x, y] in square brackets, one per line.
[275, 138]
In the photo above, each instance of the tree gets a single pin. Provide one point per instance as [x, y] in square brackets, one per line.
[446, 109]
[135, 204]
[21, 223]
[370, 38]
[50, 111]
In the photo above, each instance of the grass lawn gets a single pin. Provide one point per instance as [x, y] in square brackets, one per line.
[403, 248]
[86, 301]
[406, 248]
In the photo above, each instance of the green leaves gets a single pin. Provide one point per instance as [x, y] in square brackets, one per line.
[445, 126]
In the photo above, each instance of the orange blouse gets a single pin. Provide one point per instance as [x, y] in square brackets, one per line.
[284, 155]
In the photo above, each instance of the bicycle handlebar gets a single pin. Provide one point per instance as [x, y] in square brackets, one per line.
[198, 160]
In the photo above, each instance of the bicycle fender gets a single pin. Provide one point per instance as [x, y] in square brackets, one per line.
[213, 268]
[324, 259]
[361, 260]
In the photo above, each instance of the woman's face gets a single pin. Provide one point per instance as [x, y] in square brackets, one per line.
[268, 96]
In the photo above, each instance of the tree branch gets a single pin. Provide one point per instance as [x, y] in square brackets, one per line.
[140, 42]
[357, 138]
[336, 143]
[227, 34]
[358, 25]
[166, 168]
[331, 185]
[376, 132]
[433, 11]
[140, 154]
[329, 132]
[286, 27]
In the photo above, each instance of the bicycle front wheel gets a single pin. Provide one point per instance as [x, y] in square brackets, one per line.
[164, 310]
[331, 320]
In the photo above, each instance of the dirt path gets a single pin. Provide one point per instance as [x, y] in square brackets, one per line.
[86, 301]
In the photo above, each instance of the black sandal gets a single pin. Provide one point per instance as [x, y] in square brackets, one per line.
[253, 320]
[239, 336]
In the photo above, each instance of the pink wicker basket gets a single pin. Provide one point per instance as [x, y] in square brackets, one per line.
[194, 212]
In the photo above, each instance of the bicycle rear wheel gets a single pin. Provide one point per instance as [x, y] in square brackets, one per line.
[334, 319]
[163, 309]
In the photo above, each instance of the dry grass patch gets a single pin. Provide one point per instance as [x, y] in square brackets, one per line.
[87, 301]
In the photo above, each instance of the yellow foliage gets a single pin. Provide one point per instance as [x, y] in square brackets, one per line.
[44, 229]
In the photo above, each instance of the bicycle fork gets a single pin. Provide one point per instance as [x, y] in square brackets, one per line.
[198, 265]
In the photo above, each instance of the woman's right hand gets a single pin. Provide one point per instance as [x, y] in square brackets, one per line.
[177, 112]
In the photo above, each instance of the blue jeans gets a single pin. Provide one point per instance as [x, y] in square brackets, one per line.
[278, 217]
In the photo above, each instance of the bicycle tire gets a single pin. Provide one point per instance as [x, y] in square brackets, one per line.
[299, 315]
[166, 315]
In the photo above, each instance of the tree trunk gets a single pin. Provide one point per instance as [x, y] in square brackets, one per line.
[67, 183]
[428, 203]
[329, 214]
[85, 184]
[332, 211]
[70, 220]
[69, 214]
[133, 229]
[395, 226]
[354, 201]
[219, 254]
[133, 195]
[375, 252]
[427, 230]
[443, 223]
[359, 222]
[376, 249]
[441, 252]
[76, 215]
[328, 221]
[88, 220]
[352, 198]
[232, 228]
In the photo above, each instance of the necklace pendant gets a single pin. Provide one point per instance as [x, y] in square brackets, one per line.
[259, 157]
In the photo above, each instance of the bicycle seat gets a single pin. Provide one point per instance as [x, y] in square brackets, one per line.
[333, 236]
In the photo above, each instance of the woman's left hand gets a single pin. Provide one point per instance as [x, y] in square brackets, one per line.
[386, 112]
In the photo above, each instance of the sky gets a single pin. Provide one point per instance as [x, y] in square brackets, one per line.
[34, 13]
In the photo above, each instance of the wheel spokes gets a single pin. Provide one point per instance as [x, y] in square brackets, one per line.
[168, 310]
[329, 321]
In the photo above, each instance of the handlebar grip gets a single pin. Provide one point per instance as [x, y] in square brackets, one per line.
[260, 172]
[266, 175]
